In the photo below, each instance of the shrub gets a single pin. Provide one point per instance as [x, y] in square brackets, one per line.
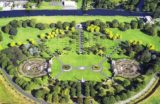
[1, 37]
[40, 26]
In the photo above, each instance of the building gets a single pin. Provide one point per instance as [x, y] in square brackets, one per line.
[147, 19]
[68, 4]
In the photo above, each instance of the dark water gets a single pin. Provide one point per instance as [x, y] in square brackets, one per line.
[102, 12]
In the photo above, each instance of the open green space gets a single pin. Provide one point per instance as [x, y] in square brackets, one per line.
[137, 35]
[78, 19]
[23, 35]
[77, 61]
[47, 6]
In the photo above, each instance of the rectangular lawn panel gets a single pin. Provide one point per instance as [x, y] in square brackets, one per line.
[80, 60]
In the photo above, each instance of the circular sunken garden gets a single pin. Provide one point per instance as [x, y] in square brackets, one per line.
[34, 67]
[126, 68]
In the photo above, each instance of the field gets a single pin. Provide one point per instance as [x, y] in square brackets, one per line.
[8, 95]
[153, 99]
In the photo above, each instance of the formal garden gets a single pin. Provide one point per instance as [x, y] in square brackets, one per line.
[57, 61]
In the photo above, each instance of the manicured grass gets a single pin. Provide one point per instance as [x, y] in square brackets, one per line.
[79, 74]
[8, 95]
[139, 36]
[78, 19]
[22, 35]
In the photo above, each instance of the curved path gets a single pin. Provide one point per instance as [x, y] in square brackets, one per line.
[102, 12]
[20, 89]
[141, 93]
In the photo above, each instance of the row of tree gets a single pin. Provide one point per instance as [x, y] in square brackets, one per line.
[12, 27]
[98, 25]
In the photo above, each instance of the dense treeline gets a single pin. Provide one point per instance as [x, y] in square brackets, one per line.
[123, 26]
[109, 4]
[152, 6]
[12, 27]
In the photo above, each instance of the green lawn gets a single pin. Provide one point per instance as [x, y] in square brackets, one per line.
[48, 6]
[78, 19]
[23, 35]
[139, 36]
[154, 98]
[75, 74]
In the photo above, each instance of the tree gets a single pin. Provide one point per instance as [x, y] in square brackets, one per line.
[52, 25]
[13, 31]
[141, 24]
[55, 98]
[59, 25]
[134, 24]
[40, 93]
[40, 26]
[123, 96]
[105, 100]
[12, 44]
[92, 91]
[49, 97]
[32, 23]
[6, 29]
[66, 98]
[24, 23]
[87, 100]
[80, 100]
[122, 27]
[73, 24]
[145, 57]
[73, 92]
[1, 37]
[30, 86]
[153, 31]
[115, 23]
[96, 22]
[1, 47]
[87, 90]
[78, 89]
